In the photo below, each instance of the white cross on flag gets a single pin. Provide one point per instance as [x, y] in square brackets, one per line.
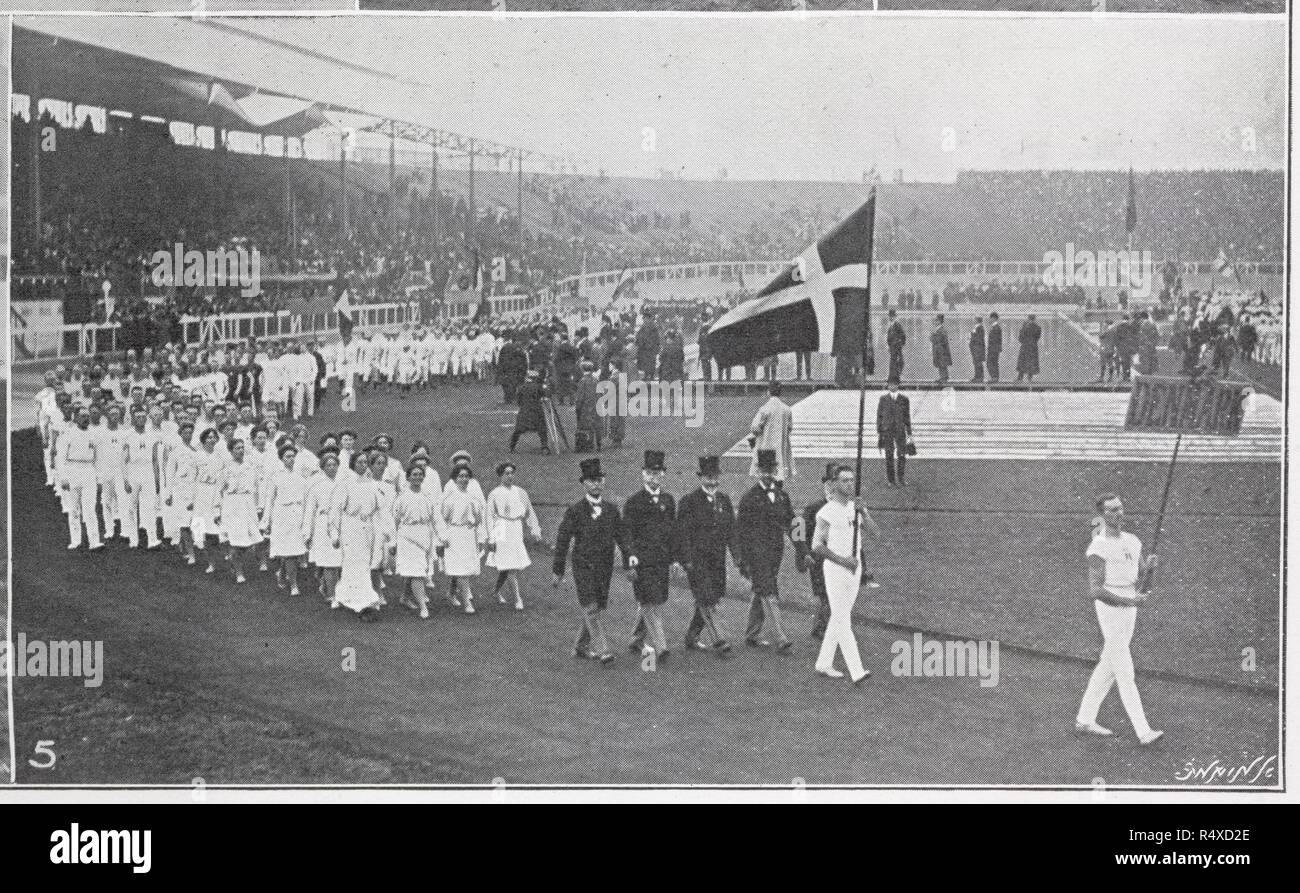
[819, 303]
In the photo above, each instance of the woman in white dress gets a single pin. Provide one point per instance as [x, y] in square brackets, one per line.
[263, 455]
[208, 466]
[283, 508]
[385, 533]
[321, 551]
[509, 512]
[464, 530]
[236, 506]
[415, 516]
[354, 511]
[178, 498]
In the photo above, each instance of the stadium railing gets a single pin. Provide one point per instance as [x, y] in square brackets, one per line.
[89, 339]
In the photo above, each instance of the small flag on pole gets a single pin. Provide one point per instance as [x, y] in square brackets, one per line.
[1131, 208]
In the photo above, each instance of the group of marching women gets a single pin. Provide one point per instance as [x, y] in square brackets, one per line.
[350, 516]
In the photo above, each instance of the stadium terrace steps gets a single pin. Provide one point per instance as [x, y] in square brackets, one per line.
[1024, 426]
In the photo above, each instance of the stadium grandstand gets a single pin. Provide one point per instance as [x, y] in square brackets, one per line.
[174, 145]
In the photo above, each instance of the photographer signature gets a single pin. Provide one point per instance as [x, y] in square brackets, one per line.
[1219, 772]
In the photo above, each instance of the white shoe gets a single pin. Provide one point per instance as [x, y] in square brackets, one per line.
[240, 579]
[1152, 737]
[72, 547]
[96, 547]
[872, 584]
[469, 606]
[1091, 728]
[519, 604]
[830, 672]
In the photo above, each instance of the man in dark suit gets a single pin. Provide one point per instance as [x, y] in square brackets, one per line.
[318, 398]
[706, 358]
[593, 527]
[647, 347]
[531, 417]
[650, 540]
[977, 350]
[807, 561]
[763, 521]
[896, 339]
[706, 524]
[995, 347]
[940, 352]
[893, 427]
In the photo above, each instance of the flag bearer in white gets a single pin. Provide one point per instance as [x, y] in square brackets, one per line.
[1114, 562]
[77, 467]
[833, 542]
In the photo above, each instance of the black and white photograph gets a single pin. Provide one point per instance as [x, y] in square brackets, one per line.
[1092, 7]
[757, 401]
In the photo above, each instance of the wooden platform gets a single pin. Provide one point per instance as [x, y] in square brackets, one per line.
[1022, 425]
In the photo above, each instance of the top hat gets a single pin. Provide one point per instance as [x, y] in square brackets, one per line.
[709, 465]
[590, 469]
[654, 460]
[767, 460]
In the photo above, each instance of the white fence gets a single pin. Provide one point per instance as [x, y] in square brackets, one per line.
[31, 343]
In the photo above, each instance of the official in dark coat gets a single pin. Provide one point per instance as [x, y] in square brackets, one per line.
[706, 526]
[977, 350]
[512, 366]
[672, 359]
[807, 561]
[647, 347]
[994, 348]
[587, 432]
[705, 355]
[896, 339]
[593, 527]
[649, 534]
[530, 417]
[566, 369]
[893, 428]
[763, 521]
[940, 352]
[1027, 360]
[322, 374]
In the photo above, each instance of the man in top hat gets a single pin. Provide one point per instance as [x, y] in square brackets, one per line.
[896, 339]
[531, 417]
[940, 352]
[764, 519]
[978, 349]
[991, 362]
[893, 427]
[706, 524]
[649, 535]
[592, 527]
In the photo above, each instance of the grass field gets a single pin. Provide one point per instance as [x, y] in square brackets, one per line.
[206, 680]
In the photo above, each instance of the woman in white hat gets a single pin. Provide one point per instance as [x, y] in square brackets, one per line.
[414, 518]
[322, 554]
[283, 509]
[354, 515]
[464, 530]
[509, 510]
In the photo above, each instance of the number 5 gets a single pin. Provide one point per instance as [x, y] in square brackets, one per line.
[43, 748]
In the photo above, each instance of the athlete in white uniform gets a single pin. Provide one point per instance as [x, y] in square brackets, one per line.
[139, 496]
[76, 467]
[108, 469]
[1114, 562]
[833, 542]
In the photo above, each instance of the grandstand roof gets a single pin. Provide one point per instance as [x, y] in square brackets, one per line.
[200, 71]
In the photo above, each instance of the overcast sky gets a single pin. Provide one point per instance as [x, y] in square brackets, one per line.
[828, 97]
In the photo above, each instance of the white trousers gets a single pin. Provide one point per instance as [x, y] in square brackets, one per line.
[79, 501]
[110, 511]
[841, 592]
[298, 400]
[1115, 668]
[139, 508]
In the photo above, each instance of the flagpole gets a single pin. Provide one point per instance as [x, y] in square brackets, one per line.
[862, 379]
